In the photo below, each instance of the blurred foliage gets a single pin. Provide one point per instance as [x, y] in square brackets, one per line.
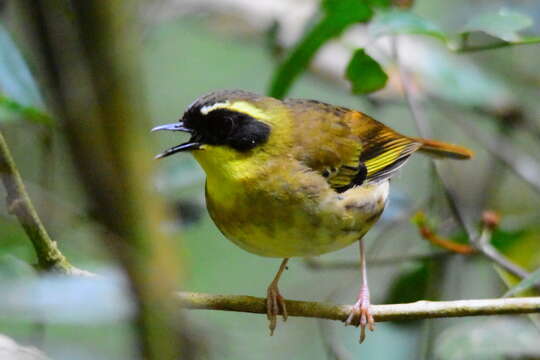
[522, 245]
[337, 16]
[16, 79]
[187, 57]
[497, 338]
[19, 95]
[525, 284]
[504, 24]
[523, 248]
[365, 74]
[9, 349]
[15, 110]
[13, 242]
[396, 22]
[411, 284]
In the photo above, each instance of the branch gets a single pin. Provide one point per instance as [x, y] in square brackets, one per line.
[483, 244]
[391, 312]
[480, 241]
[18, 203]
[427, 233]
[521, 163]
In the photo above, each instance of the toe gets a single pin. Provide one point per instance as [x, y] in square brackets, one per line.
[362, 334]
[282, 306]
[361, 316]
[354, 314]
[274, 304]
[366, 321]
[371, 322]
[272, 325]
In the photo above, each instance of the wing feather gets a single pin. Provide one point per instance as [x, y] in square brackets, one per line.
[345, 146]
[380, 154]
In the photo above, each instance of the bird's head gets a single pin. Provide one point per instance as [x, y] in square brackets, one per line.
[228, 126]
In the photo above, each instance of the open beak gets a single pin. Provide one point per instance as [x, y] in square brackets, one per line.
[179, 126]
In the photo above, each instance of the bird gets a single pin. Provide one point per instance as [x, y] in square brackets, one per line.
[296, 177]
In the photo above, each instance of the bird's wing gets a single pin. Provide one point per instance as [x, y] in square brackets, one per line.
[379, 154]
[346, 146]
[384, 151]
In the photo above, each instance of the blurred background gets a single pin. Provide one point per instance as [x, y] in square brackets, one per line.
[464, 72]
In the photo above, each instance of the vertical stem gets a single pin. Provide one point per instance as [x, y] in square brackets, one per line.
[87, 53]
[20, 205]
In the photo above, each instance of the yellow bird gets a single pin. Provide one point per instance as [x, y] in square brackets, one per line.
[296, 178]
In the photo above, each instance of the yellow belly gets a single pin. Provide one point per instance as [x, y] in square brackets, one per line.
[289, 223]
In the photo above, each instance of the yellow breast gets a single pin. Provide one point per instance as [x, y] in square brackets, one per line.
[287, 211]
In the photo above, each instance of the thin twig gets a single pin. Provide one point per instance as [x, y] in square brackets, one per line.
[523, 165]
[418, 115]
[391, 312]
[482, 240]
[484, 247]
[483, 244]
[19, 204]
[427, 233]
[89, 65]
[494, 175]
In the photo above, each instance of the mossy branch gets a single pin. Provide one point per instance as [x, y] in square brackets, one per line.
[391, 312]
[19, 204]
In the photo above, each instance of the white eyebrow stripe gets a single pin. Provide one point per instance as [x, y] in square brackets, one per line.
[208, 108]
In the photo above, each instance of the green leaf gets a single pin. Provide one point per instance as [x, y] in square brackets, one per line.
[504, 24]
[29, 113]
[380, 3]
[15, 78]
[338, 15]
[395, 22]
[457, 80]
[504, 239]
[525, 284]
[19, 94]
[347, 11]
[365, 74]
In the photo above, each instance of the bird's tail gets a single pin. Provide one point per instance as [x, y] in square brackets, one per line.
[444, 150]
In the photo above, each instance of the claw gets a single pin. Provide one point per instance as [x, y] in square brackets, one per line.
[361, 311]
[275, 304]
[274, 301]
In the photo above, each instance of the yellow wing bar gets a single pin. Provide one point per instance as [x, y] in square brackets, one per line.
[385, 152]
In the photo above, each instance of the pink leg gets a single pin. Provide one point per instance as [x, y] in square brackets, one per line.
[360, 310]
[274, 300]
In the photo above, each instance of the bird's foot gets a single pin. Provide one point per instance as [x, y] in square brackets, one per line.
[360, 314]
[275, 304]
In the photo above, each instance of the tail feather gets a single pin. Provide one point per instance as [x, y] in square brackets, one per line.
[445, 150]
